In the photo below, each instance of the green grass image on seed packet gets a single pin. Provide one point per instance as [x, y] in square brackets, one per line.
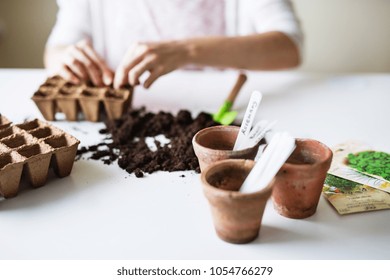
[371, 162]
[334, 184]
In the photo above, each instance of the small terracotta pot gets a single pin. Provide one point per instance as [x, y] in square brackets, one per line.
[299, 183]
[237, 216]
[216, 143]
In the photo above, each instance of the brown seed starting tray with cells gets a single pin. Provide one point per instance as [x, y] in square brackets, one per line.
[57, 95]
[30, 149]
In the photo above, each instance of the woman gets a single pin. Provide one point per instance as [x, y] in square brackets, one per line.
[116, 42]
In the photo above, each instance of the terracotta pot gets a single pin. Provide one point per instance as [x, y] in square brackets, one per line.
[299, 183]
[236, 216]
[216, 143]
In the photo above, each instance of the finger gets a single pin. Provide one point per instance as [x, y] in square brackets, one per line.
[108, 78]
[132, 58]
[122, 73]
[79, 56]
[154, 75]
[78, 70]
[99, 62]
[76, 66]
[95, 74]
[120, 77]
[91, 68]
[68, 75]
[86, 47]
[136, 72]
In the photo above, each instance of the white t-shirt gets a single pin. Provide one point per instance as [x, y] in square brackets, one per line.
[114, 25]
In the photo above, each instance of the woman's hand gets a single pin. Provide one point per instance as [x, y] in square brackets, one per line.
[78, 63]
[155, 58]
[267, 51]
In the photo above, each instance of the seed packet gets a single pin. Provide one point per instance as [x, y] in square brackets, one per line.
[349, 197]
[360, 163]
[358, 180]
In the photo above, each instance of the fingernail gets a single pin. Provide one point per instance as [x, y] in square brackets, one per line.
[107, 80]
[115, 81]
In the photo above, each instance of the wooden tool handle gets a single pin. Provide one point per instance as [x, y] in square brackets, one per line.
[236, 89]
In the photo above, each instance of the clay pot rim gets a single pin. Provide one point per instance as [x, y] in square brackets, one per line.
[235, 195]
[328, 156]
[207, 150]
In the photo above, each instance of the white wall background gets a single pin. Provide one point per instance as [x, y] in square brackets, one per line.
[341, 35]
[26, 26]
[346, 35]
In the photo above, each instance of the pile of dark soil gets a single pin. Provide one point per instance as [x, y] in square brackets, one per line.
[125, 141]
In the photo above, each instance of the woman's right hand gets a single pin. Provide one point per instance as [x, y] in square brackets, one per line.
[80, 63]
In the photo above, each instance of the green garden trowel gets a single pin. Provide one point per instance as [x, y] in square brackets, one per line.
[224, 116]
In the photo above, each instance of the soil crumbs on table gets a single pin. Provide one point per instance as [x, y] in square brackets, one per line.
[126, 141]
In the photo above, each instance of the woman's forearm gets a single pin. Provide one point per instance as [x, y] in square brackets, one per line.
[268, 51]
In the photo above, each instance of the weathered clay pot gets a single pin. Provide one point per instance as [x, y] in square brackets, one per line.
[237, 216]
[299, 182]
[216, 143]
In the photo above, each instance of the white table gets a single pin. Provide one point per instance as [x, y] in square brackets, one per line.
[101, 212]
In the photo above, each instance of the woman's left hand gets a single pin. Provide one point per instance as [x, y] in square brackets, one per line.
[156, 58]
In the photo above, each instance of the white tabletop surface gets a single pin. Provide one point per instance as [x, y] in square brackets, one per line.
[101, 212]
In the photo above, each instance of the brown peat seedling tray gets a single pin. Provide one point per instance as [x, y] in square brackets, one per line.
[30, 149]
[81, 101]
